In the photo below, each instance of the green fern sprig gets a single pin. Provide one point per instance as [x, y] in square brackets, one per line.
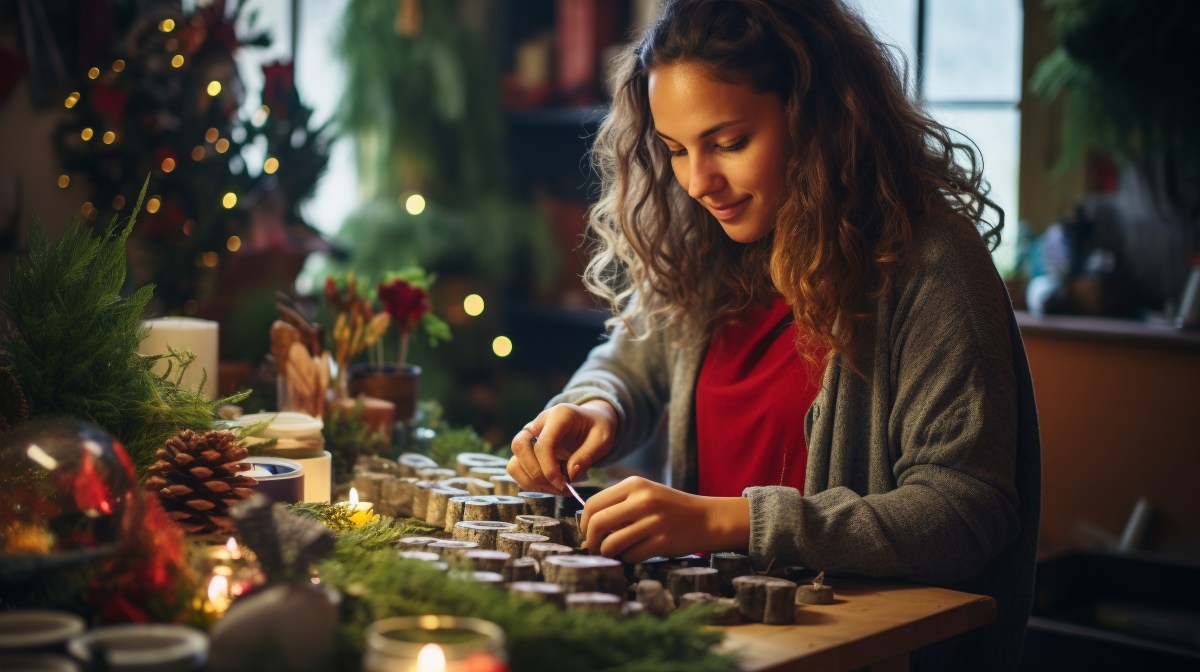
[71, 339]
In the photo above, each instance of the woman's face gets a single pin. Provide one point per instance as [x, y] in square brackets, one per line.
[727, 143]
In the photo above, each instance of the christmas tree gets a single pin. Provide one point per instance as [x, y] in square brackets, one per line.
[167, 107]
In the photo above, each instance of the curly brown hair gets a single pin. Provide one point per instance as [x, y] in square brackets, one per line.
[866, 165]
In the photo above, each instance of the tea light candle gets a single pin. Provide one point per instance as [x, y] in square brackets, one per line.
[434, 644]
[361, 513]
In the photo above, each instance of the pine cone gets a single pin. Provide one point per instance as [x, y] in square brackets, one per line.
[197, 478]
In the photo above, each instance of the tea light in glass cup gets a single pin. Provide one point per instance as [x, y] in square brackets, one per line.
[361, 513]
[433, 643]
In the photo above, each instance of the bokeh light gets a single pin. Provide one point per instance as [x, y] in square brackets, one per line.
[502, 346]
[473, 305]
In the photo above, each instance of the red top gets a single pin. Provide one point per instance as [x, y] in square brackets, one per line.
[751, 398]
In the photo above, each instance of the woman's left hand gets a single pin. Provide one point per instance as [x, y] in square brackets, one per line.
[638, 519]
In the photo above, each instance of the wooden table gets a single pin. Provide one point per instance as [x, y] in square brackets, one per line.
[871, 625]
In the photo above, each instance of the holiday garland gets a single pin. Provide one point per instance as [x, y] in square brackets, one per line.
[376, 583]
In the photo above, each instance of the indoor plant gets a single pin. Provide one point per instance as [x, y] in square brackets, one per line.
[404, 297]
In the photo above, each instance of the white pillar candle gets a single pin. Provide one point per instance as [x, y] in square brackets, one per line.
[185, 333]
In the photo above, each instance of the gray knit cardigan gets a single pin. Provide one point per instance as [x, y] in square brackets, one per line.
[927, 468]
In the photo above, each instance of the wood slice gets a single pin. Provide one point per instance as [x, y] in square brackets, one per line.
[411, 462]
[474, 486]
[633, 608]
[507, 507]
[538, 503]
[505, 484]
[781, 603]
[397, 496]
[605, 603]
[517, 544]
[571, 534]
[520, 569]
[724, 611]
[370, 486]
[454, 510]
[421, 498]
[653, 569]
[435, 511]
[377, 464]
[464, 462]
[546, 525]
[424, 556]
[415, 543]
[435, 473]
[487, 560]
[540, 590]
[482, 532]
[655, 597]
[448, 548]
[729, 566]
[486, 473]
[543, 549]
[479, 508]
[692, 580]
[755, 594]
[489, 578]
[696, 599]
[585, 574]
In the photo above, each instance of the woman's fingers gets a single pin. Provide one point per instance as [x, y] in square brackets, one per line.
[523, 466]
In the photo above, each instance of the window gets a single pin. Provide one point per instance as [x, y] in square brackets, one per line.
[964, 61]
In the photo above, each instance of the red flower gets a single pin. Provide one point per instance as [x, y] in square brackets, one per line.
[279, 84]
[404, 302]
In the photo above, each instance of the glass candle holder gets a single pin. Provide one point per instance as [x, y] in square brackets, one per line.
[432, 643]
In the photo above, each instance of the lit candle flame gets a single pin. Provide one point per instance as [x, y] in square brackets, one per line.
[218, 592]
[431, 659]
[353, 496]
[232, 547]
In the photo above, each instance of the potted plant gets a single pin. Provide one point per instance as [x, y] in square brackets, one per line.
[357, 326]
[404, 299]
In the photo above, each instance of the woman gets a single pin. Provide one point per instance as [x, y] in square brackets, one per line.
[806, 305]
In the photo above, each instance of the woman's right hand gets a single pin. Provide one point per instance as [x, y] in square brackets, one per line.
[580, 434]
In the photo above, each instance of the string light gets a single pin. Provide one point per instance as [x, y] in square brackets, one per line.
[64, 181]
[214, 88]
[118, 202]
[168, 165]
[211, 135]
[166, 25]
[233, 244]
[197, 153]
[415, 204]
[109, 137]
[86, 134]
[473, 305]
[502, 346]
[189, 226]
[271, 165]
[93, 73]
[153, 203]
[209, 259]
[72, 99]
[118, 65]
[87, 209]
[229, 200]
[177, 61]
[222, 146]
